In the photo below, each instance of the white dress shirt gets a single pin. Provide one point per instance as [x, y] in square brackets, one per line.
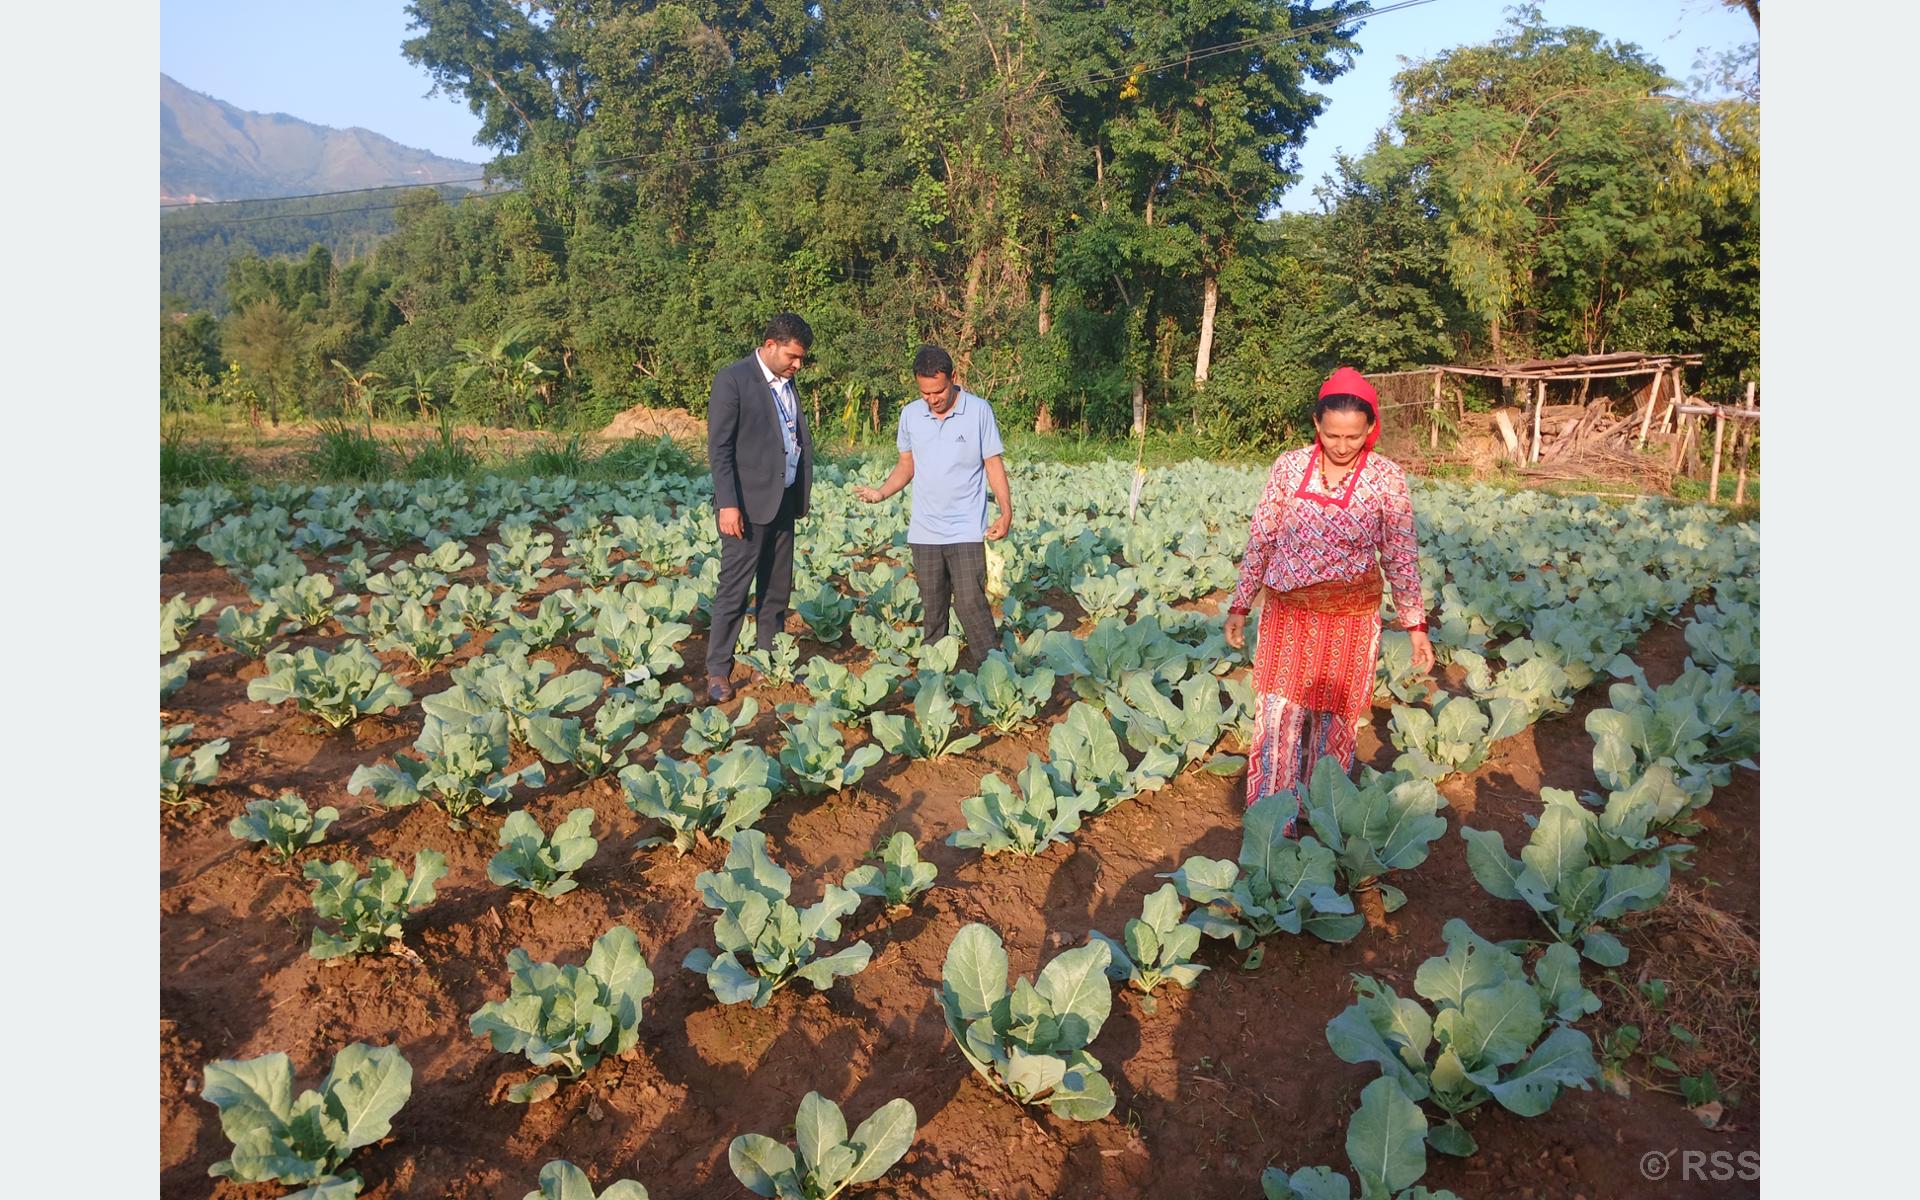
[787, 407]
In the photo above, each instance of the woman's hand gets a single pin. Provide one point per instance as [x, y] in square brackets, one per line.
[868, 495]
[1422, 651]
[1237, 632]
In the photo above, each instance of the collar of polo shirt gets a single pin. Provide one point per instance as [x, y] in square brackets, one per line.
[959, 404]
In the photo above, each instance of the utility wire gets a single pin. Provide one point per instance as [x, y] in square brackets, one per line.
[733, 149]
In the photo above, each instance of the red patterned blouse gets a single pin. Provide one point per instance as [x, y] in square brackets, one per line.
[1301, 534]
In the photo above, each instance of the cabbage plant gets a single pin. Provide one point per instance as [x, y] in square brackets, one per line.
[278, 1137]
[1454, 736]
[283, 824]
[697, 802]
[1030, 1041]
[1384, 823]
[178, 617]
[519, 687]
[568, 1017]
[710, 729]
[1559, 878]
[814, 758]
[1493, 1032]
[552, 621]
[1278, 885]
[1176, 733]
[825, 1159]
[1387, 1145]
[196, 768]
[844, 694]
[929, 731]
[618, 727]
[461, 766]
[537, 862]
[776, 665]
[1157, 946]
[561, 1180]
[423, 636]
[900, 876]
[826, 613]
[1000, 698]
[338, 688]
[765, 942]
[480, 608]
[1037, 810]
[369, 910]
[173, 672]
[1084, 751]
[310, 602]
[629, 640]
[252, 633]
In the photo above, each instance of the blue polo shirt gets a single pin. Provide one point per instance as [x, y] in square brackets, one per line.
[949, 469]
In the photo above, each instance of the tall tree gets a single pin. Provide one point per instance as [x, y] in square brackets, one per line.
[1544, 152]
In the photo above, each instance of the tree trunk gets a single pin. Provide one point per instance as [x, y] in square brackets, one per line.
[969, 300]
[1203, 358]
[1433, 438]
[1139, 407]
[1493, 328]
[1043, 418]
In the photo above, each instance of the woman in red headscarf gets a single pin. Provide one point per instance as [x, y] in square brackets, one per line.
[1332, 516]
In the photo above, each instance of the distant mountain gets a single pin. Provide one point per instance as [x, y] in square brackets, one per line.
[210, 150]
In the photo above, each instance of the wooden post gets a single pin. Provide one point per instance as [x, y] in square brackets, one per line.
[1653, 402]
[1746, 448]
[1719, 438]
[1433, 440]
[1507, 436]
[1539, 402]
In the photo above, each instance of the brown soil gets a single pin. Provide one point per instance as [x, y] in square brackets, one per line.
[1214, 1085]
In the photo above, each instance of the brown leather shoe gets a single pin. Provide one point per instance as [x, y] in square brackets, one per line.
[719, 691]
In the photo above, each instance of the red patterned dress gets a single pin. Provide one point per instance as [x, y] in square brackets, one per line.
[1319, 555]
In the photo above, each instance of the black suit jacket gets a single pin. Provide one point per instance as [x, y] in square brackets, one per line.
[744, 447]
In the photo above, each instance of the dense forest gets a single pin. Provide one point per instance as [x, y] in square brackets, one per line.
[1076, 198]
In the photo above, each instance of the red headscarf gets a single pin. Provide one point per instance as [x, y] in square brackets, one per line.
[1348, 382]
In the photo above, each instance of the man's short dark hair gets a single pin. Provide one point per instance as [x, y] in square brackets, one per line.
[788, 327]
[929, 361]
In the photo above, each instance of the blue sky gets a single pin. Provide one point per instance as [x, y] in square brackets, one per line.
[339, 63]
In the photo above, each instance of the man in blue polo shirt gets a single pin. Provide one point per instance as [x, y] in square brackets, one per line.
[950, 451]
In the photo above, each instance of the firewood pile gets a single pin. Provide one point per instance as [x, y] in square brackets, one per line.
[1597, 440]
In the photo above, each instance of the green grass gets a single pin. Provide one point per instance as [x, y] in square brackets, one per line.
[197, 463]
[347, 452]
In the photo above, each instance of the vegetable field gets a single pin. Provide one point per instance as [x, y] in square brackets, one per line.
[465, 892]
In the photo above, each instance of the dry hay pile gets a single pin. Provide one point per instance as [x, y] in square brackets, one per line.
[641, 421]
[1710, 963]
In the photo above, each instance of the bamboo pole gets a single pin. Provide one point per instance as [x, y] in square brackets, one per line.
[1719, 439]
[1653, 402]
[1746, 448]
[1731, 412]
[1433, 440]
[1539, 402]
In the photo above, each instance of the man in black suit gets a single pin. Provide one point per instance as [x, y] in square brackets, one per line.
[762, 459]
